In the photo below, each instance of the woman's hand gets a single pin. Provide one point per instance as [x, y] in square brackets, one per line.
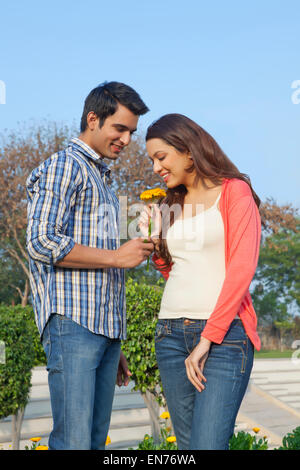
[151, 211]
[143, 221]
[195, 363]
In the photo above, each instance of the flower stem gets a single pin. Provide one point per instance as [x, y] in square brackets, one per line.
[149, 233]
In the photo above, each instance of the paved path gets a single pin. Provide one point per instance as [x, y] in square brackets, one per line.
[272, 403]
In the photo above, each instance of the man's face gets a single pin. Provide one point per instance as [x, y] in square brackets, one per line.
[114, 135]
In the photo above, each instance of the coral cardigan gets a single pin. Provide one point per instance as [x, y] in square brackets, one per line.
[242, 234]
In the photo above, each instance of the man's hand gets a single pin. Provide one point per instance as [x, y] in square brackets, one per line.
[123, 372]
[133, 253]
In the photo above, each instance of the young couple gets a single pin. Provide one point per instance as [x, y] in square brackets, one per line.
[206, 331]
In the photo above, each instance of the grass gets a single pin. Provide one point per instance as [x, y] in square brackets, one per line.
[273, 354]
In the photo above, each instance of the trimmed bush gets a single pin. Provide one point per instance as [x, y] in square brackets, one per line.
[15, 371]
[39, 353]
[143, 304]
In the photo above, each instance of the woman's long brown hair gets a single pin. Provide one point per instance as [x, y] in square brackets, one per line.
[208, 159]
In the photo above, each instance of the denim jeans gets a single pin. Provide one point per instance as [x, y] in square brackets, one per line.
[203, 420]
[82, 370]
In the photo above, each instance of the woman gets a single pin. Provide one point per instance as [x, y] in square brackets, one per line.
[206, 331]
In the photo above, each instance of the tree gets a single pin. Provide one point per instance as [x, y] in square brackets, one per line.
[12, 280]
[283, 327]
[20, 152]
[278, 275]
[278, 266]
[275, 217]
[268, 306]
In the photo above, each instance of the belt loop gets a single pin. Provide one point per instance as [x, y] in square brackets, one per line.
[169, 329]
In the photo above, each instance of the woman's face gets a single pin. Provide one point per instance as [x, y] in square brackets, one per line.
[169, 164]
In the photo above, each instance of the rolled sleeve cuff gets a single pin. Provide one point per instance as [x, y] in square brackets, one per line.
[62, 249]
[214, 333]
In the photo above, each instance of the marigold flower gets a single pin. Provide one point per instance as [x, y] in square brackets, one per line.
[41, 448]
[108, 440]
[256, 430]
[171, 439]
[35, 439]
[152, 194]
[165, 415]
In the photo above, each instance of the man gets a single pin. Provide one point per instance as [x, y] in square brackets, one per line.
[77, 275]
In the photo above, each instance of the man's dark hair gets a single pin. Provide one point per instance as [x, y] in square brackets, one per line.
[103, 101]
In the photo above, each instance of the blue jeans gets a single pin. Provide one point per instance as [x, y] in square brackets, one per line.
[82, 376]
[203, 420]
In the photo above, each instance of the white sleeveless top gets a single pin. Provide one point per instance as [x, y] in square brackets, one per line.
[196, 245]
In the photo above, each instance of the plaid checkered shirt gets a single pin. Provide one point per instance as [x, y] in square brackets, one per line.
[70, 201]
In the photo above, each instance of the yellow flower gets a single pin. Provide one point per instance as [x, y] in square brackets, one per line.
[165, 415]
[152, 194]
[256, 430]
[108, 440]
[41, 448]
[35, 439]
[171, 439]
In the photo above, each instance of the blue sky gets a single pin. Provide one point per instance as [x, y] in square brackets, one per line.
[227, 65]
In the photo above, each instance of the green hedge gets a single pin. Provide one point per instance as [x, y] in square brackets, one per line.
[15, 368]
[39, 353]
[24, 349]
[143, 303]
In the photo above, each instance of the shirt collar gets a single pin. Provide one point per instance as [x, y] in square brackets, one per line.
[90, 153]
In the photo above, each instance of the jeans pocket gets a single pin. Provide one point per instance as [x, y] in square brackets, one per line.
[160, 332]
[237, 352]
[46, 343]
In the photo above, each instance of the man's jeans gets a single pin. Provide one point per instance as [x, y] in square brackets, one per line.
[203, 420]
[82, 377]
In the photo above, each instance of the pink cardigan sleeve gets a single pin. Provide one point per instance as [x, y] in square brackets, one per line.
[241, 253]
